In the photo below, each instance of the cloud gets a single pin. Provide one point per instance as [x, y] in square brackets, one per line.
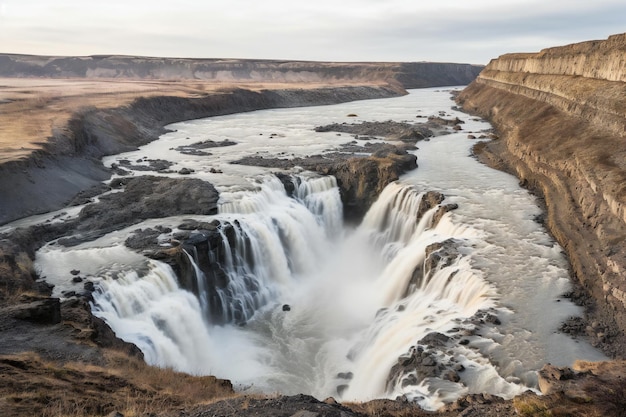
[393, 30]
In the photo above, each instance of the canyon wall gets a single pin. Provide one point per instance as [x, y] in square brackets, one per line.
[408, 75]
[561, 118]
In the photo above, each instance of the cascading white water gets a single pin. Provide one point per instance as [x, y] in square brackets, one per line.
[299, 349]
[358, 299]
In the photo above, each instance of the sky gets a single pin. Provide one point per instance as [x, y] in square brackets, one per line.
[468, 31]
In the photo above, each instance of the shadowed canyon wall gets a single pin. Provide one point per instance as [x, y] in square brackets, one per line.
[561, 116]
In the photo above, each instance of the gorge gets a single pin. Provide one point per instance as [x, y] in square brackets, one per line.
[450, 226]
[287, 300]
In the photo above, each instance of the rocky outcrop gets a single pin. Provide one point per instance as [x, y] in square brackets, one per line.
[408, 75]
[363, 171]
[561, 115]
[147, 197]
[361, 180]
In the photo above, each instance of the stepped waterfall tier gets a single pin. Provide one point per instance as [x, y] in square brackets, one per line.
[448, 286]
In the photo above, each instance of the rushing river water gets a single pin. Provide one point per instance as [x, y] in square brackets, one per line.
[312, 306]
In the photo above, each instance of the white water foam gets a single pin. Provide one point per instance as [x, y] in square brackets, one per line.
[356, 302]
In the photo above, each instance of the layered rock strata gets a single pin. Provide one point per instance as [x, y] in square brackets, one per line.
[561, 116]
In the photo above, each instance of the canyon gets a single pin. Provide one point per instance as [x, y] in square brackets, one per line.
[561, 116]
[560, 119]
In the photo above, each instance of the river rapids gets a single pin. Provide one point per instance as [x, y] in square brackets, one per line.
[413, 302]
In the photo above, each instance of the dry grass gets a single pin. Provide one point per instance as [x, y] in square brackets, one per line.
[31, 109]
[531, 406]
[32, 386]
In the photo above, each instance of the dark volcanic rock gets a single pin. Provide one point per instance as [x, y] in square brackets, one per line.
[293, 406]
[158, 165]
[197, 148]
[391, 130]
[147, 197]
[142, 239]
[38, 310]
[360, 178]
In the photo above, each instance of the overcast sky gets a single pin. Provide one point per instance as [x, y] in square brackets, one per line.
[472, 31]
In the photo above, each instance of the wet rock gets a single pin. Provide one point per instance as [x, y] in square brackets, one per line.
[41, 311]
[435, 339]
[191, 224]
[142, 239]
[450, 375]
[287, 181]
[196, 148]
[485, 316]
[286, 307]
[158, 165]
[147, 197]
[390, 130]
[85, 197]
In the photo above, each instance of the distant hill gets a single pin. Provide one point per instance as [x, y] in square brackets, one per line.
[408, 75]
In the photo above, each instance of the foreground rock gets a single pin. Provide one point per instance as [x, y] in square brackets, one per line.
[561, 115]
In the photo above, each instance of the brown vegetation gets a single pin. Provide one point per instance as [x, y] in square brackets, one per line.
[30, 385]
[32, 110]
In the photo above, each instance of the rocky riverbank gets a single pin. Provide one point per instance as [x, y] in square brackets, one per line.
[56, 358]
[54, 353]
[69, 162]
[561, 127]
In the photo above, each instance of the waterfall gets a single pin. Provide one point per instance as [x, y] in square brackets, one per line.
[278, 296]
[150, 310]
[274, 251]
[412, 308]
[321, 197]
[269, 241]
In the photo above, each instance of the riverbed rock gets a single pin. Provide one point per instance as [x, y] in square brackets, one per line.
[147, 197]
[406, 132]
[422, 361]
[197, 147]
[360, 178]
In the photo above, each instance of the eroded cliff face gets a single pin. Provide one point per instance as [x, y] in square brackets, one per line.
[561, 115]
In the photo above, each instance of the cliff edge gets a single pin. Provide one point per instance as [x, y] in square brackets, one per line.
[561, 117]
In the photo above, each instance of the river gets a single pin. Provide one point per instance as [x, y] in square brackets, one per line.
[314, 306]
